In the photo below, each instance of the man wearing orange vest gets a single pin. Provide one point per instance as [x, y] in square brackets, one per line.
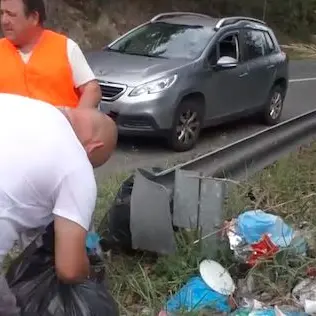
[41, 64]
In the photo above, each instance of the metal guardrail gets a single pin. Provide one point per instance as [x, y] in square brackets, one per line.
[248, 155]
[196, 189]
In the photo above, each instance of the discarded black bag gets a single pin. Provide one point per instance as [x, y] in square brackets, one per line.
[33, 280]
[115, 226]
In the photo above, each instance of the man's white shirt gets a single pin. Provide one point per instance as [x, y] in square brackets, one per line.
[44, 170]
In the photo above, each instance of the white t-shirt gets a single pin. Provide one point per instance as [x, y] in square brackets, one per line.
[81, 71]
[44, 170]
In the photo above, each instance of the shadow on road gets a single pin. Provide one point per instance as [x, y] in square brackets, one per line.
[148, 144]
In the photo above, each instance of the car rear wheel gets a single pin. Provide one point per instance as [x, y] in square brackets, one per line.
[186, 127]
[274, 106]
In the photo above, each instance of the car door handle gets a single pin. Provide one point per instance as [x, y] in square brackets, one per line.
[243, 75]
[271, 66]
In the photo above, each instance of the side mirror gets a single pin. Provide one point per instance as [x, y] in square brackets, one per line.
[226, 62]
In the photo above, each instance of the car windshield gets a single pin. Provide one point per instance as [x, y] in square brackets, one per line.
[165, 40]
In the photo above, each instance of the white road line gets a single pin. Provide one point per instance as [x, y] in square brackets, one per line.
[302, 79]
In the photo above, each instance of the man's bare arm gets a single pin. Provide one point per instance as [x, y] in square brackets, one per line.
[71, 260]
[90, 95]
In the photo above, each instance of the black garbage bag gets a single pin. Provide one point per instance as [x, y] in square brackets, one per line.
[115, 226]
[33, 280]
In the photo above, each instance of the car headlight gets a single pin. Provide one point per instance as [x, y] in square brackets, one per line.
[154, 86]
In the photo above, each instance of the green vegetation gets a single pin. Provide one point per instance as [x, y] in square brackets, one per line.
[293, 20]
[300, 51]
[141, 283]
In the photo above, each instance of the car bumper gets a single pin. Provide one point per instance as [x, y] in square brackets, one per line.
[150, 115]
[137, 125]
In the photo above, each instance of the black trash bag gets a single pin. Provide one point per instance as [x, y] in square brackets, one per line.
[33, 280]
[114, 228]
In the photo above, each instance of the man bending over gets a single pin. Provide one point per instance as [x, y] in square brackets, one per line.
[46, 167]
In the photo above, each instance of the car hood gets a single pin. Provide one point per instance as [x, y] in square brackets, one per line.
[131, 70]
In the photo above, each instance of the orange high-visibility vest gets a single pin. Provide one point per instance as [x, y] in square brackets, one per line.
[46, 77]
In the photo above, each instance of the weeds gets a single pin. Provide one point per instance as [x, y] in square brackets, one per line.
[142, 283]
[298, 51]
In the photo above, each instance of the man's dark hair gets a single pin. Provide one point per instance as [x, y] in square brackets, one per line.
[33, 6]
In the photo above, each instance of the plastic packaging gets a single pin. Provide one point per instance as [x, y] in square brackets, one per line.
[197, 295]
[252, 225]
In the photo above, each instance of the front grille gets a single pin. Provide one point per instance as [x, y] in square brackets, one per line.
[111, 91]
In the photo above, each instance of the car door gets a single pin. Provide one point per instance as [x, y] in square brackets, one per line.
[261, 69]
[226, 89]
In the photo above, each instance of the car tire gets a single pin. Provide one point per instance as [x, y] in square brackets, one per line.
[272, 111]
[186, 127]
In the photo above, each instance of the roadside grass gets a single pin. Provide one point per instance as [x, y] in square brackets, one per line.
[142, 283]
[300, 51]
[106, 194]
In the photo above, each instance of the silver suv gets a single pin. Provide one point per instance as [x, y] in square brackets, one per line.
[182, 71]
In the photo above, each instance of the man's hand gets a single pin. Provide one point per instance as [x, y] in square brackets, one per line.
[71, 260]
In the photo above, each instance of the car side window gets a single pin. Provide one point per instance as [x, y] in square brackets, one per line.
[254, 44]
[270, 47]
[228, 46]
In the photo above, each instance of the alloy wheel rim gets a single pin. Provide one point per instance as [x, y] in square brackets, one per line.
[276, 105]
[188, 127]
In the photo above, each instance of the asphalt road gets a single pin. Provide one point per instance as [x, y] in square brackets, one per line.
[146, 153]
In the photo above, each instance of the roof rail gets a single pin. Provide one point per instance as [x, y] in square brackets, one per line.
[235, 19]
[173, 14]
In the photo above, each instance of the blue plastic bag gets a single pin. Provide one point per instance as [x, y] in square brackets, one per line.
[252, 225]
[92, 241]
[197, 295]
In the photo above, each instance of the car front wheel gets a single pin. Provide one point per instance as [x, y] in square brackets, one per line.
[186, 126]
[273, 108]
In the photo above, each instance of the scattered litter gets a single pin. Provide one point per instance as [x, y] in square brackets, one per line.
[305, 294]
[217, 277]
[310, 307]
[252, 304]
[92, 241]
[276, 311]
[234, 239]
[262, 249]
[252, 225]
[256, 234]
[197, 295]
